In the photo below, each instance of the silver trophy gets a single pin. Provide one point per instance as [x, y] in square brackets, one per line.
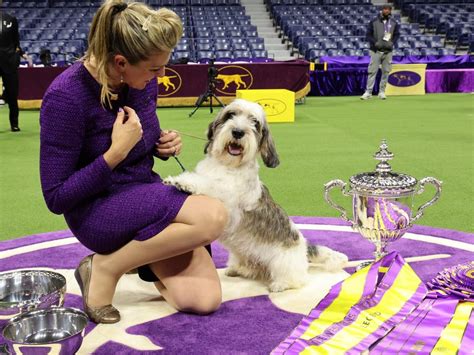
[382, 202]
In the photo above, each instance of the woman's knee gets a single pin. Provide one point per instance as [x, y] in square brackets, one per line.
[208, 215]
[202, 302]
[213, 219]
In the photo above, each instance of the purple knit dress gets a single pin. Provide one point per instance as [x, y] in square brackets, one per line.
[104, 208]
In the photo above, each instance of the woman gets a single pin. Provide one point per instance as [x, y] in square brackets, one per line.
[99, 132]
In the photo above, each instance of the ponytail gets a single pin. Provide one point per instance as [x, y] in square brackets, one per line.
[133, 30]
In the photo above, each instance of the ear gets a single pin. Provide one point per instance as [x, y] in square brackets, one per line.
[210, 136]
[120, 62]
[267, 149]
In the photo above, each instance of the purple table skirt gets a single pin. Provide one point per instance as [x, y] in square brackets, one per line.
[352, 81]
[450, 80]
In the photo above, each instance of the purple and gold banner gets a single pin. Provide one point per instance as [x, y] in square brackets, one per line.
[386, 309]
[182, 84]
[361, 310]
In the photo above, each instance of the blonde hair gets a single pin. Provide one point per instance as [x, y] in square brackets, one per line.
[133, 30]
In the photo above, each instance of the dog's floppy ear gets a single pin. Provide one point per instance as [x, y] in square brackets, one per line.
[211, 129]
[268, 149]
[210, 136]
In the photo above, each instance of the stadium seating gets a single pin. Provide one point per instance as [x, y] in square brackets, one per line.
[211, 29]
[453, 19]
[221, 29]
[317, 28]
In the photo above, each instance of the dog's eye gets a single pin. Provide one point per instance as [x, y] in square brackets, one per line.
[229, 115]
[256, 124]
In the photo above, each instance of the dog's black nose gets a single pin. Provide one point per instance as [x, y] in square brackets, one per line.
[237, 133]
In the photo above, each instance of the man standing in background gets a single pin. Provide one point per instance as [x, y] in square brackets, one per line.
[10, 53]
[382, 34]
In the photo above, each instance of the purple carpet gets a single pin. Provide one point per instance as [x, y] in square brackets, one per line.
[245, 325]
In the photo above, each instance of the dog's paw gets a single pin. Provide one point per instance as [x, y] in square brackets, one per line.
[169, 181]
[278, 286]
[173, 181]
[231, 272]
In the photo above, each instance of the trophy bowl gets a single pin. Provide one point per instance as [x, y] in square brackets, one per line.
[27, 290]
[57, 330]
[382, 202]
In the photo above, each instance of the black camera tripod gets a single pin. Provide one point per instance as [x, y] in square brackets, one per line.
[210, 92]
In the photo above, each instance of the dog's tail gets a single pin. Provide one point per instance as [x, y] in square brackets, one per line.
[313, 253]
[327, 258]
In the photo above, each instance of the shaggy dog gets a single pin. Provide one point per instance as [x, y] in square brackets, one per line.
[263, 242]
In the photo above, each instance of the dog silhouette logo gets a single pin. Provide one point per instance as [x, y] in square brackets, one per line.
[272, 107]
[404, 78]
[233, 77]
[169, 83]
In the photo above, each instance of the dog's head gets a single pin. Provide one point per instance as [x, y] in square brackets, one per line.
[239, 133]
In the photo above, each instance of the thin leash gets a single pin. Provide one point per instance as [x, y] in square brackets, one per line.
[187, 135]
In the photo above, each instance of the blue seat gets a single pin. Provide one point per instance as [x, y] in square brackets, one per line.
[257, 46]
[182, 47]
[398, 52]
[314, 54]
[255, 40]
[223, 56]
[204, 56]
[182, 56]
[409, 51]
[403, 45]
[335, 53]
[204, 46]
[429, 51]
[220, 40]
[241, 46]
[222, 46]
[202, 40]
[242, 55]
[250, 33]
[234, 34]
[238, 40]
[447, 51]
[346, 45]
[418, 44]
[329, 45]
[259, 54]
[204, 34]
[220, 34]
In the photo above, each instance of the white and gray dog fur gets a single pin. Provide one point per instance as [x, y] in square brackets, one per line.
[262, 241]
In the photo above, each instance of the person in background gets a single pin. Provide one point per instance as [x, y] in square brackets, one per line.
[382, 34]
[10, 53]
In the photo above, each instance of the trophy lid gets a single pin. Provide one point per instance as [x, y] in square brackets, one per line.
[383, 181]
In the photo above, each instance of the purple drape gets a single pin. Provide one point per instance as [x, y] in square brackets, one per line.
[432, 61]
[450, 80]
[341, 82]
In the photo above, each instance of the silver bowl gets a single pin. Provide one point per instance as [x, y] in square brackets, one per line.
[27, 290]
[61, 330]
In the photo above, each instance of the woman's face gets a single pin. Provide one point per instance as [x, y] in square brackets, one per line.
[137, 76]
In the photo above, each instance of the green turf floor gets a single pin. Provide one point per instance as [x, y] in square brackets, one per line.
[332, 137]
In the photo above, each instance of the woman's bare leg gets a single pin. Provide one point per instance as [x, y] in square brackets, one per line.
[200, 221]
[189, 282]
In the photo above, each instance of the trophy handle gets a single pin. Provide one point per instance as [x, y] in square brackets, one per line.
[437, 184]
[327, 188]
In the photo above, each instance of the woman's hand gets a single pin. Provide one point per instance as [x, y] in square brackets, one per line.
[169, 144]
[126, 133]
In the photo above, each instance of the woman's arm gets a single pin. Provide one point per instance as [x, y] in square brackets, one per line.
[61, 138]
